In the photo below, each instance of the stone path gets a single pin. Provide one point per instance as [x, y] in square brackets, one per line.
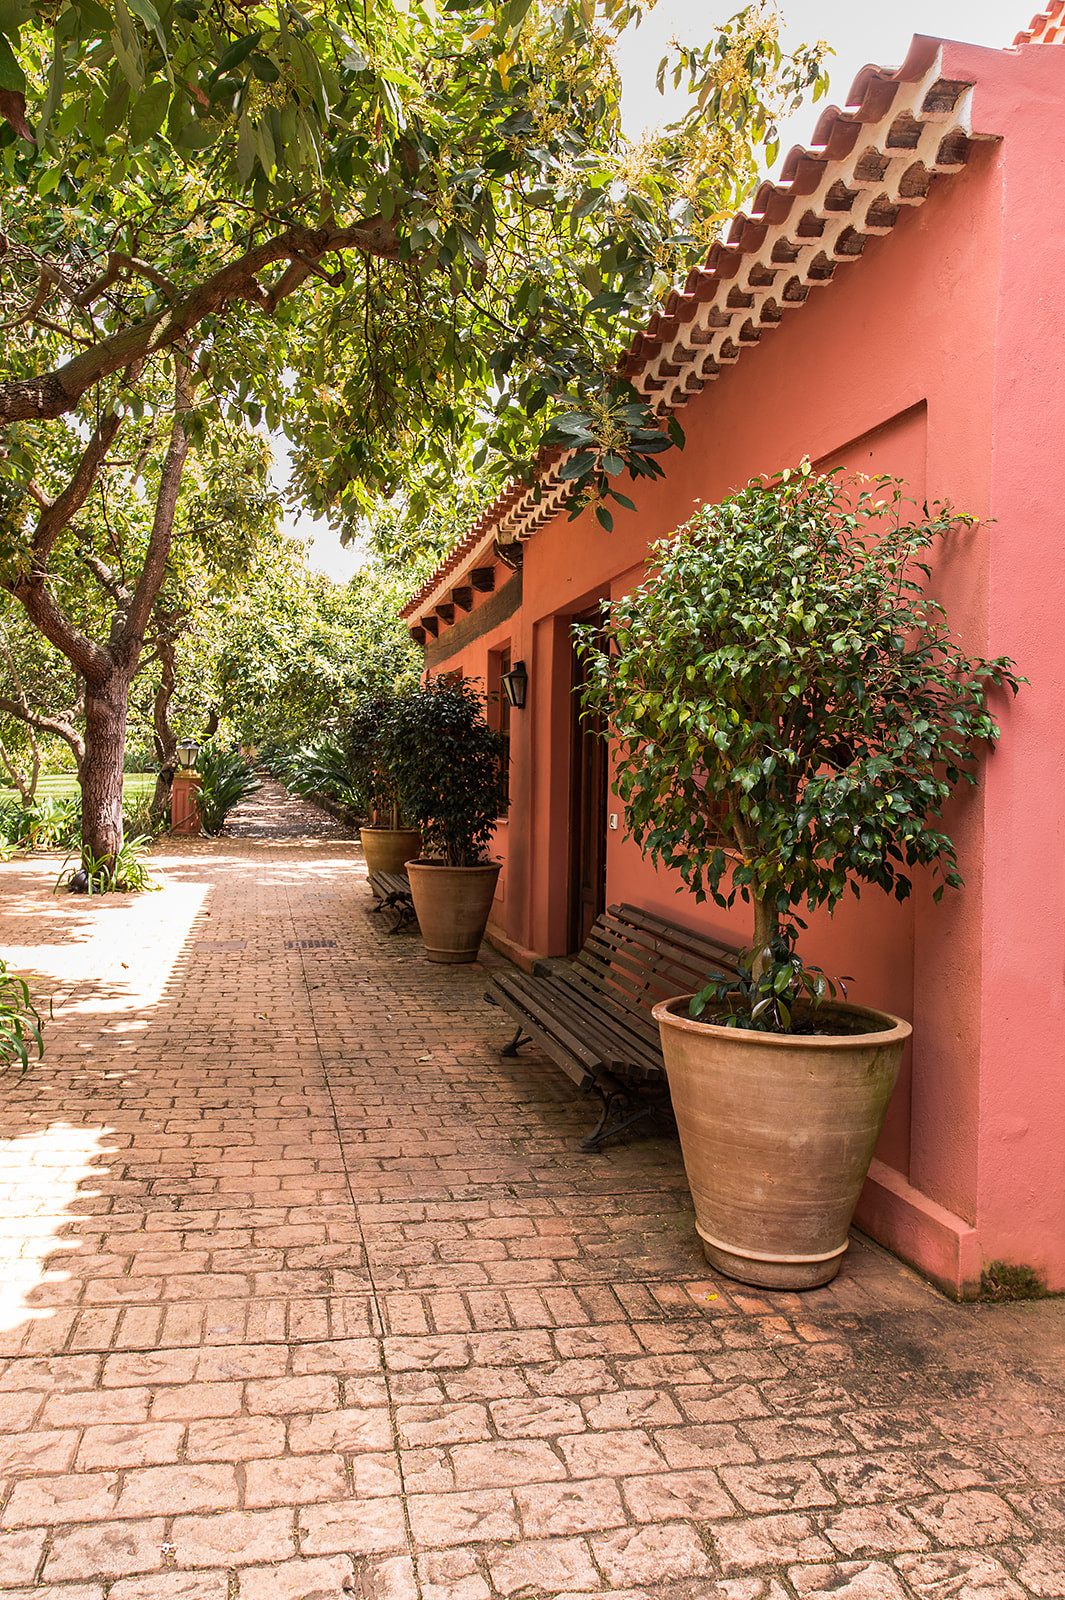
[307, 1292]
[273, 813]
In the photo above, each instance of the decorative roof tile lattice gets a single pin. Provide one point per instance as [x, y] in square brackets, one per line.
[868, 163]
[1046, 27]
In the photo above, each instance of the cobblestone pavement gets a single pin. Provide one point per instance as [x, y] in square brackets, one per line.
[306, 1290]
[273, 813]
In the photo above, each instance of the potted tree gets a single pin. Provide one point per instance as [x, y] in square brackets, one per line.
[446, 762]
[387, 844]
[790, 712]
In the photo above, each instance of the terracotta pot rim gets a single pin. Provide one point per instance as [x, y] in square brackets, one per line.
[896, 1029]
[368, 827]
[434, 861]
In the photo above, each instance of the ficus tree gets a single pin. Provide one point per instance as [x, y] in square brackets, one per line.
[357, 219]
[790, 710]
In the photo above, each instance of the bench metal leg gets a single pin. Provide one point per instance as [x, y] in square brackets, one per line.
[520, 1038]
[616, 1102]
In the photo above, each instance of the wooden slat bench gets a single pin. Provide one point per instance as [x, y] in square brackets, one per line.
[592, 1015]
[391, 890]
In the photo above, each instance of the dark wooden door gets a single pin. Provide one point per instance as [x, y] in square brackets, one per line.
[588, 802]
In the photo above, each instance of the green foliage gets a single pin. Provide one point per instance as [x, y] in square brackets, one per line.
[226, 779]
[49, 823]
[445, 762]
[367, 216]
[370, 732]
[324, 768]
[138, 818]
[299, 652]
[780, 997]
[123, 872]
[790, 708]
[21, 1025]
[352, 221]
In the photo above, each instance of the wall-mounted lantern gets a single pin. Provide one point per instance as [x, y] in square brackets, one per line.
[515, 685]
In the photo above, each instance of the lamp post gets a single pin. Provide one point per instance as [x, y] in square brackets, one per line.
[184, 791]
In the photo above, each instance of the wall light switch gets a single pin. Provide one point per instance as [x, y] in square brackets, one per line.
[613, 819]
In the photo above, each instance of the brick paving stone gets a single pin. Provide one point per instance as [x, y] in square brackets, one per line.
[1041, 1571]
[543, 1565]
[294, 1480]
[651, 1554]
[65, 1591]
[958, 1575]
[570, 1507]
[668, 1495]
[314, 1579]
[872, 1530]
[20, 1555]
[358, 1524]
[765, 1541]
[200, 1486]
[130, 1444]
[451, 1575]
[311, 1284]
[848, 1581]
[231, 1536]
[968, 1518]
[463, 1518]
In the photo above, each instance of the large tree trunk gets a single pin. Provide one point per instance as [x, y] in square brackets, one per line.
[101, 772]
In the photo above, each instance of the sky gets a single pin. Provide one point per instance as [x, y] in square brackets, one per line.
[859, 32]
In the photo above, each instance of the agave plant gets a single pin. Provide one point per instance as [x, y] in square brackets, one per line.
[226, 779]
[323, 768]
[20, 1021]
[49, 823]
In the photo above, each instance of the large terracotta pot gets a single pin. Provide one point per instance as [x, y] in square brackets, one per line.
[777, 1133]
[452, 906]
[389, 849]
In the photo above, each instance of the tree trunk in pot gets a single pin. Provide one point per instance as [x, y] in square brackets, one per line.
[777, 1133]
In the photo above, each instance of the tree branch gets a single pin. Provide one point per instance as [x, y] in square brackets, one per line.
[153, 570]
[53, 394]
[43, 724]
[65, 506]
[105, 577]
[117, 264]
[44, 611]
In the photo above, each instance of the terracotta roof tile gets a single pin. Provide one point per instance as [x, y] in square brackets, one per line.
[878, 154]
[1047, 27]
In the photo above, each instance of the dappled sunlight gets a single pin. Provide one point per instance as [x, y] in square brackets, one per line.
[70, 942]
[40, 1174]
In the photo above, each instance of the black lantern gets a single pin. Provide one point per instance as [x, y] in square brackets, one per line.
[187, 751]
[515, 683]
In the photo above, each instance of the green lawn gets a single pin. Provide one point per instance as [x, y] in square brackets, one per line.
[63, 785]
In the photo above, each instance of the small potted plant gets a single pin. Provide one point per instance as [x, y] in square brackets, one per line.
[446, 763]
[387, 844]
[790, 712]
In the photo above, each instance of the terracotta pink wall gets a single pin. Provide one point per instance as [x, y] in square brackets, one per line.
[1021, 1149]
[936, 357]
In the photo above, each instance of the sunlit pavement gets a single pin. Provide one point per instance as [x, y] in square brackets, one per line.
[302, 1283]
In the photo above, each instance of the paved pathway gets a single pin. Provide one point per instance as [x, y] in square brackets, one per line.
[308, 1292]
